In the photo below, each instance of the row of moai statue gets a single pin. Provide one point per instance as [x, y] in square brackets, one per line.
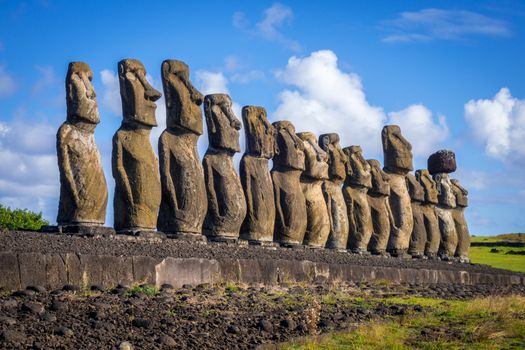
[317, 194]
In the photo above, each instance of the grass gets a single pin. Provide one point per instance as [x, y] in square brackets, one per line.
[482, 255]
[487, 323]
[146, 290]
[511, 237]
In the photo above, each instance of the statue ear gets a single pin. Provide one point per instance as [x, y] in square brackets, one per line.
[209, 116]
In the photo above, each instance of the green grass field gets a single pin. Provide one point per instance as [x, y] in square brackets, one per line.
[482, 255]
[488, 323]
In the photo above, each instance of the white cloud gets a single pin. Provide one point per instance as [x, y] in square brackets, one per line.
[499, 124]
[326, 99]
[269, 28]
[212, 82]
[111, 92]
[29, 173]
[416, 118]
[7, 83]
[47, 78]
[432, 23]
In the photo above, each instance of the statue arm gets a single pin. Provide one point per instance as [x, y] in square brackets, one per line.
[213, 204]
[119, 172]
[165, 175]
[246, 181]
[64, 161]
[278, 208]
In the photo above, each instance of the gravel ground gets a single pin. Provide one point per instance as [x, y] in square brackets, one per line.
[18, 241]
[204, 316]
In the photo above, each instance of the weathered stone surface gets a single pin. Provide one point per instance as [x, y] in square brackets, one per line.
[290, 203]
[379, 208]
[83, 189]
[444, 209]
[358, 181]
[418, 239]
[259, 223]
[184, 203]
[429, 213]
[134, 164]
[226, 202]
[458, 214]
[332, 189]
[397, 153]
[442, 161]
[312, 178]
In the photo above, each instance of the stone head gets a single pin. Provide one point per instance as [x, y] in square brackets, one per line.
[397, 150]
[223, 125]
[260, 134]
[337, 159]
[429, 185]
[81, 99]
[446, 196]
[183, 100]
[460, 192]
[415, 190]
[357, 168]
[289, 148]
[138, 96]
[379, 181]
[316, 159]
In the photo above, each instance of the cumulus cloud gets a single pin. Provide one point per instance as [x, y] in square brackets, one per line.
[7, 83]
[432, 23]
[212, 82]
[29, 173]
[111, 92]
[270, 26]
[499, 124]
[327, 99]
[416, 118]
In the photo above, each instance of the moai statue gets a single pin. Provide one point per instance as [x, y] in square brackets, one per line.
[459, 219]
[83, 190]
[439, 165]
[379, 208]
[418, 239]
[184, 203]
[312, 178]
[290, 204]
[134, 164]
[226, 202]
[258, 225]
[358, 181]
[429, 213]
[397, 153]
[333, 192]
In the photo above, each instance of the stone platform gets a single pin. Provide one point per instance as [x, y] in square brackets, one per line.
[54, 260]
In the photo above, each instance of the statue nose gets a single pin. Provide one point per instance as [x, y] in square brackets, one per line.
[152, 94]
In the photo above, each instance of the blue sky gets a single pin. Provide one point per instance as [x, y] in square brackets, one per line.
[450, 73]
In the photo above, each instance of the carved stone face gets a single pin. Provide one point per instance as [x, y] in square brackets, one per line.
[357, 168]
[397, 150]
[316, 160]
[460, 192]
[416, 191]
[260, 134]
[289, 151]
[223, 125]
[337, 159]
[380, 184]
[138, 96]
[446, 195]
[80, 95]
[429, 186]
[183, 100]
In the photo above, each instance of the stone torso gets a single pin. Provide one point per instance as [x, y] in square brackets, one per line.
[83, 159]
[141, 168]
[184, 203]
[257, 182]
